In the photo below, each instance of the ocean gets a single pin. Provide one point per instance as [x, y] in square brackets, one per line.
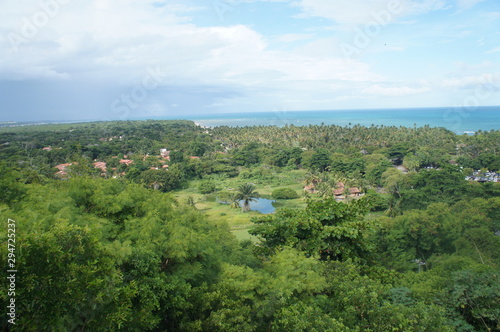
[459, 120]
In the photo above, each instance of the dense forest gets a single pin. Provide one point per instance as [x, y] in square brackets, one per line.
[131, 226]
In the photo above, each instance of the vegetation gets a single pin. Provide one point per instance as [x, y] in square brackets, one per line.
[284, 193]
[137, 226]
[246, 193]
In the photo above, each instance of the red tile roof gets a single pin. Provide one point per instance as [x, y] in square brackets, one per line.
[126, 161]
[62, 167]
[101, 165]
[338, 192]
[354, 190]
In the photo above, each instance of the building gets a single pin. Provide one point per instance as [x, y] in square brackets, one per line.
[100, 165]
[126, 161]
[164, 153]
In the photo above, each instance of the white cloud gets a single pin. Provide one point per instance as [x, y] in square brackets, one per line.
[292, 37]
[399, 91]
[356, 12]
[109, 44]
[124, 37]
[471, 81]
[467, 4]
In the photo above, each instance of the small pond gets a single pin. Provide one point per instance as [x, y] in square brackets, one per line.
[263, 205]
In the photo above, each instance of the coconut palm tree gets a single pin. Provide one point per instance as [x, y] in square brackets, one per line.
[235, 202]
[246, 193]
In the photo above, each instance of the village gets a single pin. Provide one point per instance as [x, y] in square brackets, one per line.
[160, 159]
[484, 176]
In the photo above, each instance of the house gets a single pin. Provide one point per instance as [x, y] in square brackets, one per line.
[355, 192]
[311, 189]
[63, 169]
[194, 157]
[100, 165]
[126, 161]
[340, 192]
[164, 153]
[48, 148]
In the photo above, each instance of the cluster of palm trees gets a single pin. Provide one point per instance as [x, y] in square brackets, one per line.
[333, 137]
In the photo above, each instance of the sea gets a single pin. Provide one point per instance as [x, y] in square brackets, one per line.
[461, 120]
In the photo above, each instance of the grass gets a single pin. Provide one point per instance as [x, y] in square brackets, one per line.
[242, 234]
[238, 221]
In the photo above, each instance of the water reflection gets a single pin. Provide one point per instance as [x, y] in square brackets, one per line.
[263, 205]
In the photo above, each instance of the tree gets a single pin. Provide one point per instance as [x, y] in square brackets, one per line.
[247, 194]
[374, 172]
[476, 295]
[166, 180]
[206, 187]
[154, 178]
[10, 189]
[318, 161]
[176, 156]
[331, 229]
[284, 193]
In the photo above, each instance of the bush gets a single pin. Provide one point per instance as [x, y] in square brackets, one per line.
[377, 202]
[206, 187]
[284, 193]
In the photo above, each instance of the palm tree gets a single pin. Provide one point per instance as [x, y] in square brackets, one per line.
[235, 202]
[247, 194]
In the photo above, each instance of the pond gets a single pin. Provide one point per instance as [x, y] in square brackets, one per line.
[263, 205]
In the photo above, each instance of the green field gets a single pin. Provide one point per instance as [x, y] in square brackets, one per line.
[239, 221]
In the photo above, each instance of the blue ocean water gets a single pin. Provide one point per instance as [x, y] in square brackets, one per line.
[459, 120]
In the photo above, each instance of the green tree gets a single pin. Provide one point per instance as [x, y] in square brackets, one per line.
[166, 180]
[284, 193]
[246, 193]
[176, 156]
[206, 187]
[333, 230]
[10, 188]
[318, 161]
[475, 295]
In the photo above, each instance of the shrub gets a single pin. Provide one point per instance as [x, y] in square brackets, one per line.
[377, 202]
[206, 187]
[284, 193]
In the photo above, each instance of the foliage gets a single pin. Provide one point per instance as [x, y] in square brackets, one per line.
[102, 250]
[284, 193]
[333, 230]
[206, 187]
[246, 193]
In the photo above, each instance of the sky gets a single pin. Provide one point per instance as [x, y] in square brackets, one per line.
[64, 60]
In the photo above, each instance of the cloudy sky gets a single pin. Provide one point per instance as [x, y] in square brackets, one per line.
[126, 59]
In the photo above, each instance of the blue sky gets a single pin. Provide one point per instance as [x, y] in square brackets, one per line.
[127, 59]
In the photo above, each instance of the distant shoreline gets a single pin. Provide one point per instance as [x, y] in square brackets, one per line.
[460, 121]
